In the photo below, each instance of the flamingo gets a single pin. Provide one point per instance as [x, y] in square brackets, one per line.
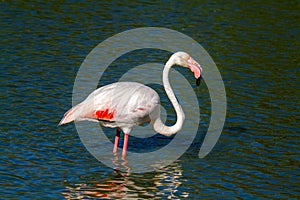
[123, 105]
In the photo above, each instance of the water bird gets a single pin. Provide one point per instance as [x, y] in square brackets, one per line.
[123, 105]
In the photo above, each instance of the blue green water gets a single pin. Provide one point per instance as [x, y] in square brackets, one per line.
[256, 48]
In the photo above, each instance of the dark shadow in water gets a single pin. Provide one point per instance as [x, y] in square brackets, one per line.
[235, 131]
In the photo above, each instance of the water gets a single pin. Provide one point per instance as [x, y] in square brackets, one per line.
[254, 44]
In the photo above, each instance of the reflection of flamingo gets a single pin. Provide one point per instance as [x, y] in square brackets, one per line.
[163, 184]
[123, 105]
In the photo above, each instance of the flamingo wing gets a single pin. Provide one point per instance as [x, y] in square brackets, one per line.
[122, 102]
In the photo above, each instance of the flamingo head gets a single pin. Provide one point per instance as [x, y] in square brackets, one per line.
[185, 60]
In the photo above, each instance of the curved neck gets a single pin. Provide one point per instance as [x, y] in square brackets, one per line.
[158, 125]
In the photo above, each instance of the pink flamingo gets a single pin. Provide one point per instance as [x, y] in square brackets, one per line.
[123, 105]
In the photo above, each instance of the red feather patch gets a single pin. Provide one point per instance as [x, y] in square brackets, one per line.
[104, 114]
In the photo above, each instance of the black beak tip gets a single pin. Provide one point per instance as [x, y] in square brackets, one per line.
[198, 80]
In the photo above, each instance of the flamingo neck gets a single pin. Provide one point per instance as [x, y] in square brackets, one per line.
[158, 125]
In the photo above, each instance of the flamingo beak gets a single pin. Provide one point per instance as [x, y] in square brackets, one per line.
[198, 81]
[196, 69]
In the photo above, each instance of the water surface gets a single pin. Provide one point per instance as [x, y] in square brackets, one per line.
[254, 44]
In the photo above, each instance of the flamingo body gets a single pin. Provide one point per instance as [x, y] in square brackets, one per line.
[120, 104]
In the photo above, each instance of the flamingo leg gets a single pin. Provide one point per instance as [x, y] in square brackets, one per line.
[125, 145]
[117, 138]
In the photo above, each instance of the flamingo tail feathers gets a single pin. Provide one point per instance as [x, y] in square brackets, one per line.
[70, 115]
